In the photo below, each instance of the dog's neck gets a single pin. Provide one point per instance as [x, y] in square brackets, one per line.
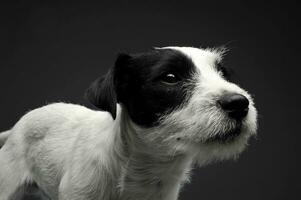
[148, 171]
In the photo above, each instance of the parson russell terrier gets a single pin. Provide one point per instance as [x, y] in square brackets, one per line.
[163, 112]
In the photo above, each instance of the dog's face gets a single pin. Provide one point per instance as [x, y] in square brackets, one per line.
[182, 95]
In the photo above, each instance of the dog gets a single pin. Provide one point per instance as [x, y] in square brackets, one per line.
[159, 114]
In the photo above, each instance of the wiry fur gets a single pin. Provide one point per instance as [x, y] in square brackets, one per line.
[74, 153]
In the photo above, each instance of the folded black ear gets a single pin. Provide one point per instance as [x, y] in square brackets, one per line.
[102, 92]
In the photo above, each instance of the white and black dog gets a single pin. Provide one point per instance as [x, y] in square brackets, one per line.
[163, 112]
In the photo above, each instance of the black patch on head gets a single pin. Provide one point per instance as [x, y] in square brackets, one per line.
[144, 89]
[148, 85]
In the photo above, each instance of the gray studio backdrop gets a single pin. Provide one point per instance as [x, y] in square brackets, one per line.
[52, 51]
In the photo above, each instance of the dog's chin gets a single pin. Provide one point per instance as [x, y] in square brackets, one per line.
[225, 137]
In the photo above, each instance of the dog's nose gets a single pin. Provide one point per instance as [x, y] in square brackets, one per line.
[236, 105]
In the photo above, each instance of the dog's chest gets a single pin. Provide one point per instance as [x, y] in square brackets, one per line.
[155, 182]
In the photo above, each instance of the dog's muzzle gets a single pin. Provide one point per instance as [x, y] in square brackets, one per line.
[236, 107]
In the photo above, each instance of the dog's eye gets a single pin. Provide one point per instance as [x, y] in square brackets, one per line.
[169, 79]
[225, 72]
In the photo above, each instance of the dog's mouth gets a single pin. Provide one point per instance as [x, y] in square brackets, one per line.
[226, 137]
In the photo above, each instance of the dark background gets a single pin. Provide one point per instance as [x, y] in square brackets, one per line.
[51, 52]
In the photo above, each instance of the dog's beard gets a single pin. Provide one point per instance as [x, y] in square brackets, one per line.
[226, 134]
[205, 126]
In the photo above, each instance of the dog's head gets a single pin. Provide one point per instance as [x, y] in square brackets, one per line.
[182, 96]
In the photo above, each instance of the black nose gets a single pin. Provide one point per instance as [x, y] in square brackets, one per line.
[236, 105]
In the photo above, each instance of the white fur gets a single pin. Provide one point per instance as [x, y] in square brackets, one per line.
[74, 153]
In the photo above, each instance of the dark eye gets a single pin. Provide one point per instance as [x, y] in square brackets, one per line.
[223, 70]
[169, 79]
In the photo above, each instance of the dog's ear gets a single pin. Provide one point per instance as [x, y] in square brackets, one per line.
[102, 93]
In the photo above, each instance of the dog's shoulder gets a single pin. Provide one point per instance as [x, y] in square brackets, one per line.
[62, 125]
